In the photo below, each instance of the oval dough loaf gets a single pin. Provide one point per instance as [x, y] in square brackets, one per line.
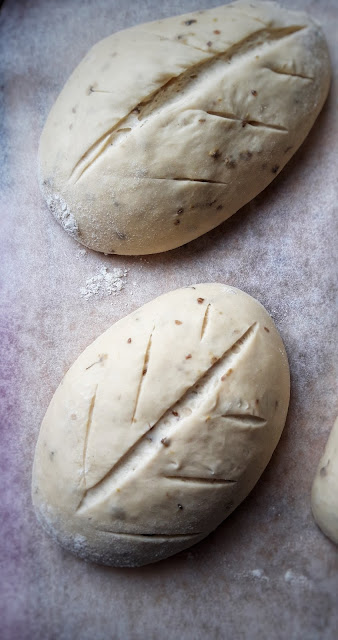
[324, 498]
[166, 129]
[162, 426]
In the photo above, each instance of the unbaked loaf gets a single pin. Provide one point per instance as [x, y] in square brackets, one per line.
[166, 129]
[324, 497]
[162, 426]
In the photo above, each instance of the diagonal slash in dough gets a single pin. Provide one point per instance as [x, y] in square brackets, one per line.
[169, 92]
[159, 536]
[88, 425]
[150, 442]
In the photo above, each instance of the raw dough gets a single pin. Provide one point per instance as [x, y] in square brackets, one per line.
[324, 498]
[165, 130]
[162, 426]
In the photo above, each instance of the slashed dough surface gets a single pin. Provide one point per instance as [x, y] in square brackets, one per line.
[162, 426]
[166, 129]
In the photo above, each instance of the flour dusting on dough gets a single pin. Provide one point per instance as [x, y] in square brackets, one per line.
[59, 208]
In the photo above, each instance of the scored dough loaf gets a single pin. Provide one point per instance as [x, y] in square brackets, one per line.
[166, 129]
[162, 426]
[324, 497]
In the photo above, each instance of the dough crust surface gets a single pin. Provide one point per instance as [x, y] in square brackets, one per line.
[162, 426]
[166, 129]
[324, 498]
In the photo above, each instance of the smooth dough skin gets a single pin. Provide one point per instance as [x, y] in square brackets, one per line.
[161, 427]
[166, 129]
[324, 497]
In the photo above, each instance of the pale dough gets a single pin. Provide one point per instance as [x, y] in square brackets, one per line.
[166, 129]
[324, 498]
[162, 426]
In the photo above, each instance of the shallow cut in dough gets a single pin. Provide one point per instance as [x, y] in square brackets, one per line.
[166, 129]
[162, 426]
[324, 497]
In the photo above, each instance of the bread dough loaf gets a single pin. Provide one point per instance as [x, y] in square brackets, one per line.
[162, 426]
[166, 129]
[324, 498]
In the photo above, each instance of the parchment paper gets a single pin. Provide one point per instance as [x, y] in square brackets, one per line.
[267, 572]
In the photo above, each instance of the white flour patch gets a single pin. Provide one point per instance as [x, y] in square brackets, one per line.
[296, 579]
[59, 208]
[259, 573]
[78, 542]
[105, 283]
